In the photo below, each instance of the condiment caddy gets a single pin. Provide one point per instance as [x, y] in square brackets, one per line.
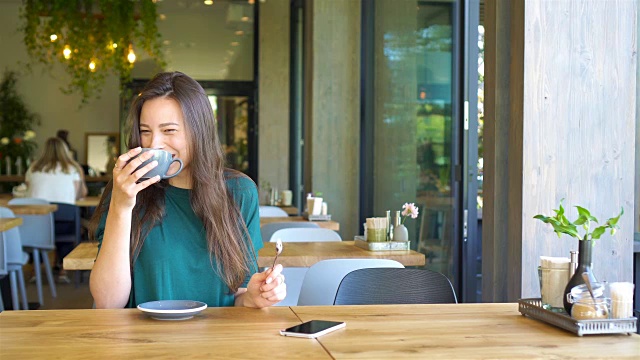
[533, 308]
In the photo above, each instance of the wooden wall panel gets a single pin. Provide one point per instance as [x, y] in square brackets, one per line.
[273, 82]
[333, 119]
[496, 135]
[572, 96]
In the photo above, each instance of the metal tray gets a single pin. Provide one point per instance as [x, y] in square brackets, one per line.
[316, 217]
[533, 308]
[382, 246]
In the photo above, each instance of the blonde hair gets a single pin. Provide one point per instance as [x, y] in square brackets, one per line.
[55, 153]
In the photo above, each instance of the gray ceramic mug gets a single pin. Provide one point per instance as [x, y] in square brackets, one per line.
[164, 159]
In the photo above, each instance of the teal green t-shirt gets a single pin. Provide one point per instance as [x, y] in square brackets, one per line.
[174, 262]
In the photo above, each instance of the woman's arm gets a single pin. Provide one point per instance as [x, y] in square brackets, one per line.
[81, 186]
[111, 275]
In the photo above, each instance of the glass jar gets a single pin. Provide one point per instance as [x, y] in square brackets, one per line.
[587, 308]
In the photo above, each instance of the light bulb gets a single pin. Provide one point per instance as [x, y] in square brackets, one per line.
[114, 45]
[132, 56]
[92, 66]
[208, 2]
[66, 52]
[53, 37]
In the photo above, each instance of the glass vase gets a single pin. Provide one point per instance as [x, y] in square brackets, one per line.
[400, 233]
[585, 254]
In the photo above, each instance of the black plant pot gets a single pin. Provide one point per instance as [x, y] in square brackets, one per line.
[585, 248]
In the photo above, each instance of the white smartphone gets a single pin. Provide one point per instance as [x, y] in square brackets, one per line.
[312, 329]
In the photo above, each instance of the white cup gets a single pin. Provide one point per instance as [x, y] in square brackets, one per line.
[286, 196]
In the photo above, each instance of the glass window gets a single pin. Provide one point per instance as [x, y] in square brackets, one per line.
[413, 122]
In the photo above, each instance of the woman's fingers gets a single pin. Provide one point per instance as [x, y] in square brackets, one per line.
[277, 294]
[126, 157]
[146, 183]
[136, 162]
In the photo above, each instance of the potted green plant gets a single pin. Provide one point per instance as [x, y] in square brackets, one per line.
[17, 138]
[562, 225]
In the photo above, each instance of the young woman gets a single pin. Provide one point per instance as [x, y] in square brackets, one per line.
[55, 176]
[192, 237]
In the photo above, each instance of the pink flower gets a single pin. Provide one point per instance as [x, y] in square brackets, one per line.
[409, 209]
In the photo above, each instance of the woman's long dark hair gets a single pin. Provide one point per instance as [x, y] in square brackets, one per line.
[226, 233]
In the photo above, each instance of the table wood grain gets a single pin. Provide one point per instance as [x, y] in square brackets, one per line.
[332, 225]
[224, 333]
[457, 331]
[460, 331]
[299, 254]
[305, 254]
[89, 201]
[290, 210]
[33, 209]
[9, 223]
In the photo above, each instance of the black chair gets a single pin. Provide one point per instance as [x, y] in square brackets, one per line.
[67, 232]
[394, 286]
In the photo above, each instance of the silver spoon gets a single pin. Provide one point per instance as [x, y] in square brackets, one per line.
[588, 278]
[279, 247]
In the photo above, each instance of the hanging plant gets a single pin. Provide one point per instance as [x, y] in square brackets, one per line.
[91, 38]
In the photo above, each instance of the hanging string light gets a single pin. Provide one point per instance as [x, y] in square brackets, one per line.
[131, 56]
[84, 37]
[66, 53]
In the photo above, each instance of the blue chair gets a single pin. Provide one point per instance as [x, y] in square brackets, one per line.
[321, 281]
[295, 275]
[394, 286]
[67, 232]
[14, 259]
[267, 230]
[3, 269]
[272, 211]
[37, 234]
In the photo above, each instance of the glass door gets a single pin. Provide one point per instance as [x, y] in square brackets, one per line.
[413, 122]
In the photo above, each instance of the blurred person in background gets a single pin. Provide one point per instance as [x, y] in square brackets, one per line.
[56, 177]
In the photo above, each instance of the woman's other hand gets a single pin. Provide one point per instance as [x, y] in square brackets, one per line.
[265, 288]
[125, 177]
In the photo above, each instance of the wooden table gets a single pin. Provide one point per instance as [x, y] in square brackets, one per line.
[305, 254]
[290, 210]
[332, 225]
[32, 209]
[20, 178]
[469, 331]
[89, 201]
[294, 254]
[9, 223]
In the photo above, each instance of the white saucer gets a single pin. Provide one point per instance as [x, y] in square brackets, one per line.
[172, 309]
